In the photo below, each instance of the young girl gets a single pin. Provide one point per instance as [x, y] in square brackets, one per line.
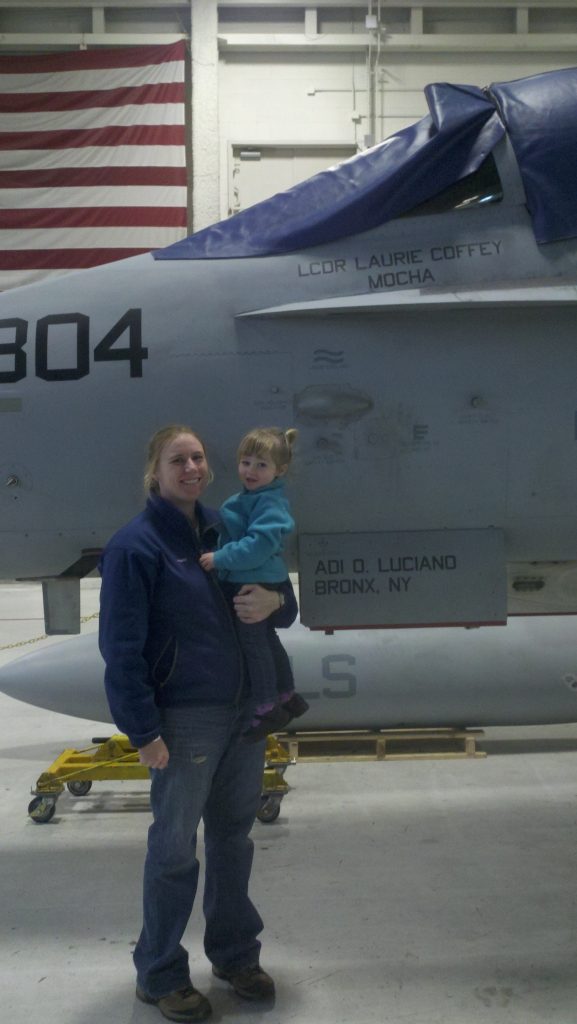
[255, 522]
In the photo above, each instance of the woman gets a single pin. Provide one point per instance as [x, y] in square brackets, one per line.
[175, 685]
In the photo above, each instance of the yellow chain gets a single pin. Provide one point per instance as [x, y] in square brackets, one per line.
[36, 639]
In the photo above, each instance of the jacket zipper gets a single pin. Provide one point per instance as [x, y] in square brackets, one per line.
[229, 616]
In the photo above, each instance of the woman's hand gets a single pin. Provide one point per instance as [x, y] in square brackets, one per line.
[155, 754]
[254, 603]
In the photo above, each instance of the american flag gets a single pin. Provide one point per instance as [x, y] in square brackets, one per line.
[92, 158]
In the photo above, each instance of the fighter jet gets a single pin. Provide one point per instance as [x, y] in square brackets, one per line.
[411, 311]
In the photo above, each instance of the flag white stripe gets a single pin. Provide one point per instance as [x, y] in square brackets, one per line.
[89, 238]
[113, 195]
[93, 79]
[92, 156]
[93, 117]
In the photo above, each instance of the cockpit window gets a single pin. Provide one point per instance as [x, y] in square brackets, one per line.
[481, 187]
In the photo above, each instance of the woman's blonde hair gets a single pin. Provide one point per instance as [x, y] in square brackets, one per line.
[156, 446]
[269, 443]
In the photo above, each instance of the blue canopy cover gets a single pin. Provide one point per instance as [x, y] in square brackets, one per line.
[463, 126]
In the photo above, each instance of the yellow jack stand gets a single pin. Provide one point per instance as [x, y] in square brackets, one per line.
[116, 759]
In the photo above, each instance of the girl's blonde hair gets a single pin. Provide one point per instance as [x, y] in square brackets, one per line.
[269, 443]
[157, 444]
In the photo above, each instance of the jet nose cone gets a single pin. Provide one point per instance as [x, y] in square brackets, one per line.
[66, 677]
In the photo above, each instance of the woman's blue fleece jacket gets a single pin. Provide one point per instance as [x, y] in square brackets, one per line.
[167, 633]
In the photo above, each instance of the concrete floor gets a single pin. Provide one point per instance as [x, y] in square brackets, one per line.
[429, 892]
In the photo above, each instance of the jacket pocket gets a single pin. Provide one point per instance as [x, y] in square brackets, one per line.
[165, 664]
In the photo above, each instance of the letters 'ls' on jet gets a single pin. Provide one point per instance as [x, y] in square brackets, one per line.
[411, 311]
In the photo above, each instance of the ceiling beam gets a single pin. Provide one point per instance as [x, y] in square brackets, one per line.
[401, 43]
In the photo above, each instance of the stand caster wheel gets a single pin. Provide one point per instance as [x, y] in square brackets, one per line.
[269, 809]
[79, 787]
[41, 809]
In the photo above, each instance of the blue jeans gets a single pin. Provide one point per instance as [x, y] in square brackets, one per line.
[215, 775]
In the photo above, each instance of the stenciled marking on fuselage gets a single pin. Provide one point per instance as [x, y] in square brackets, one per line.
[318, 267]
[332, 674]
[68, 329]
[417, 563]
[465, 250]
[322, 588]
[340, 578]
[403, 268]
[415, 276]
[328, 357]
[400, 279]
[405, 258]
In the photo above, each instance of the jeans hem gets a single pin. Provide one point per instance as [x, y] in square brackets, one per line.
[176, 986]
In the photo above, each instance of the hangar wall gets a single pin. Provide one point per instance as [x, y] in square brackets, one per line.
[280, 90]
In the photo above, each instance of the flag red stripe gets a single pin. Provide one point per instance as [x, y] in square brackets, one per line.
[95, 216]
[82, 177]
[133, 95]
[115, 135]
[62, 259]
[137, 95]
[81, 60]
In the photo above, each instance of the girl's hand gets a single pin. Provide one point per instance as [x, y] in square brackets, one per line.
[207, 561]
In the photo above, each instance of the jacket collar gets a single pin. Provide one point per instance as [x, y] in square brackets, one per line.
[167, 514]
[275, 485]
